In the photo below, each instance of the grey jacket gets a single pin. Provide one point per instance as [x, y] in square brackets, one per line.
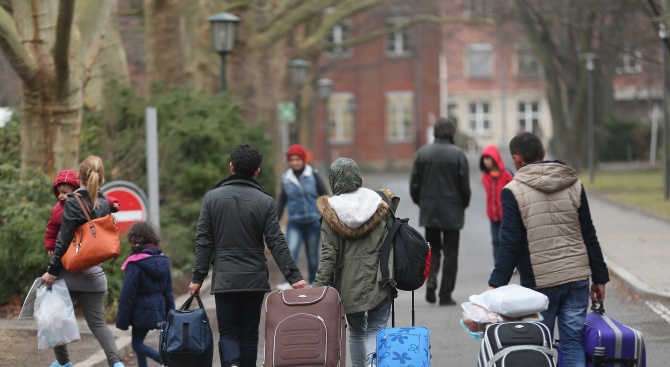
[350, 249]
[440, 185]
[235, 218]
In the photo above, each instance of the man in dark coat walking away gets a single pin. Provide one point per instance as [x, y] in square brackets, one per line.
[236, 217]
[440, 185]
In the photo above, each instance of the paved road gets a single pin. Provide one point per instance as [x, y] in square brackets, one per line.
[450, 344]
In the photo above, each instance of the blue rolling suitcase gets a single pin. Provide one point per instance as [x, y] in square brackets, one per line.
[408, 346]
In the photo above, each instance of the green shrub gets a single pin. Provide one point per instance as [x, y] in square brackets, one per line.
[624, 139]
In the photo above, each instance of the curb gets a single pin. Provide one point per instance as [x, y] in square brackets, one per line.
[633, 281]
[123, 341]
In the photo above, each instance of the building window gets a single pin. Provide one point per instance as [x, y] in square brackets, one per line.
[630, 63]
[526, 62]
[397, 43]
[478, 9]
[479, 60]
[400, 116]
[340, 118]
[338, 35]
[528, 115]
[480, 118]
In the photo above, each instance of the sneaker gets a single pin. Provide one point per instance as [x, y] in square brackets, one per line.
[283, 286]
[56, 364]
[430, 294]
[118, 364]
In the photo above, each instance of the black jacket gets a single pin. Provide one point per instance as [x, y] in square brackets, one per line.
[234, 220]
[440, 185]
[73, 217]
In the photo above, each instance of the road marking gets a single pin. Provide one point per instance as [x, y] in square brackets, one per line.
[660, 310]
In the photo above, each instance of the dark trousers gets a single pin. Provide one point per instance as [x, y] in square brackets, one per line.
[447, 242]
[238, 315]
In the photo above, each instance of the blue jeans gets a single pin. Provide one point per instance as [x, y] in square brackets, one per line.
[569, 303]
[142, 351]
[238, 315]
[363, 328]
[310, 233]
[495, 239]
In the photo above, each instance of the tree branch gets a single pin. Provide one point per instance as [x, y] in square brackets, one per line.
[238, 5]
[7, 5]
[91, 18]
[10, 43]
[61, 50]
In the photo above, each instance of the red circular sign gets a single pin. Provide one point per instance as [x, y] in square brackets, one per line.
[132, 208]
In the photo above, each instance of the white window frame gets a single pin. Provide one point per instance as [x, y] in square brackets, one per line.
[479, 47]
[479, 117]
[398, 41]
[339, 35]
[631, 63]
[395, 116]
[525, 50]
[525, 118]
[340, 117]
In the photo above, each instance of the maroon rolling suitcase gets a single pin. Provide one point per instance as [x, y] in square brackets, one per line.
[305, 328]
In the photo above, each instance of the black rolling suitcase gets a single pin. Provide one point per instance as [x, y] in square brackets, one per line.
[185, 338]
[516, 344]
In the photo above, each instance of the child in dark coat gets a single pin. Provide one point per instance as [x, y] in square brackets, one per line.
[64, 184]
[146, 295]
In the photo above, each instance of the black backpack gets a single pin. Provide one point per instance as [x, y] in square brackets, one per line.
[411, 254]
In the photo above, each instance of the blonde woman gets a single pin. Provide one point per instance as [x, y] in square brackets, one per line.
[87, 287]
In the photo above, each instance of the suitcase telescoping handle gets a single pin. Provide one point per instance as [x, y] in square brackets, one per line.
[393, 311]
[187, 304]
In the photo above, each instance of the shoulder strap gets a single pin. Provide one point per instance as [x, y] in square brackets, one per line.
[386, 200]
[84, 206]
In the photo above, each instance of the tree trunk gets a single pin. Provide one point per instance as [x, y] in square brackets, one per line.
[165, 57]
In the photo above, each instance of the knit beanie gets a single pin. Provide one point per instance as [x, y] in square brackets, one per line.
[296, 149]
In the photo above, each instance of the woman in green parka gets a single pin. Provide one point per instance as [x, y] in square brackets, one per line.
[355, 222]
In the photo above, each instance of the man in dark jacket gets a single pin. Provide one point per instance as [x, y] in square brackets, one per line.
[235, 217]
[547, 233]
[440, 185]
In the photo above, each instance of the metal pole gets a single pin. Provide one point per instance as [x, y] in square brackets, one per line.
[224, 84]
[591, 142]
[666, 160]
[326, 129]
[152, 165]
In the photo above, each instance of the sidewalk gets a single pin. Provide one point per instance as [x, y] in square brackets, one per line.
[636, 247]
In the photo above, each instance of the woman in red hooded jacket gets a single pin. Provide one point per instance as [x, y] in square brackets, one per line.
[64, 184]
[494, 177]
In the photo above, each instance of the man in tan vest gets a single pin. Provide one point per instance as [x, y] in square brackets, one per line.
[547, 233]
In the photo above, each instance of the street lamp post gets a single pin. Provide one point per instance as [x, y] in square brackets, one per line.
[325, 87]
[298, 68]
[353, 107]
[590, 57]
[663, 35]
[222, 28]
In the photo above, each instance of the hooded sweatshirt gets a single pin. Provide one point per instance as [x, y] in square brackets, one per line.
[547, 229]
[493, 185]
[146, 295]
[355, 222]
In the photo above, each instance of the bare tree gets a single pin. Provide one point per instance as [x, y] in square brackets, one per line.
[54, 47]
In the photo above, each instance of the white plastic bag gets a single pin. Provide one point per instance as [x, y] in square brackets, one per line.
[28, 308]
[54, 313]
[512, 301]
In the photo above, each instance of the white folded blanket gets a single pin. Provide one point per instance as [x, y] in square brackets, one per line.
[512, 301]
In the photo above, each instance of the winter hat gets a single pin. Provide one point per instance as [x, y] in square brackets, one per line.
[296, 149]
[344, 176]
[67, 176]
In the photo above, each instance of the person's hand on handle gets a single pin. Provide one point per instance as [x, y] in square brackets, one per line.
[489, 288]
[299, 285]
[597, 293]
[48, 279]
[194, 288]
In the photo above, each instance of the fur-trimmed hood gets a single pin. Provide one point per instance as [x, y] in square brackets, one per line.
[353, 215]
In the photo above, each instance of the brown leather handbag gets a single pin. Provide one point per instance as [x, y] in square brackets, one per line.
[94, 242]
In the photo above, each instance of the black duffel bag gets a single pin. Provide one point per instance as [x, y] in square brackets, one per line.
[186, 337]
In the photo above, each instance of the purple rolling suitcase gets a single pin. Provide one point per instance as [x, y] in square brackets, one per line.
[607, 343]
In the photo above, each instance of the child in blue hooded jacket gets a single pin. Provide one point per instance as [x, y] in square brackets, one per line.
[146, 295]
